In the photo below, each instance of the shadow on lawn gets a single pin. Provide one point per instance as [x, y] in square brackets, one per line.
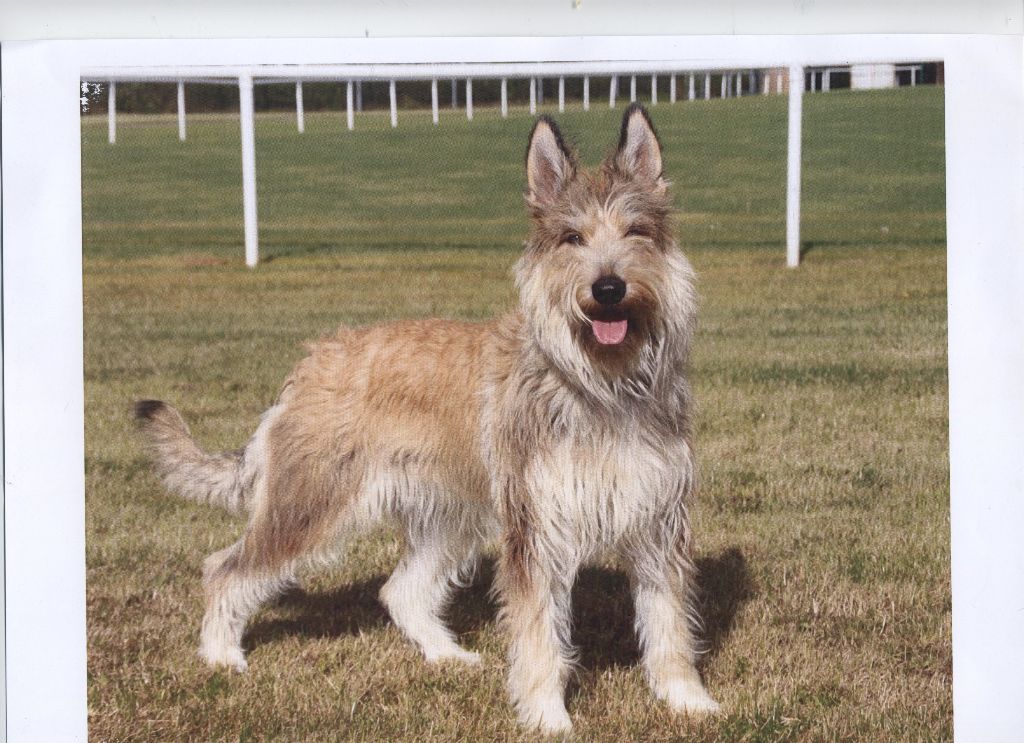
[603, 614]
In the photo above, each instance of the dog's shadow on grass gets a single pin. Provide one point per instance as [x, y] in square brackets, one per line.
[604, 619]
[603, 616]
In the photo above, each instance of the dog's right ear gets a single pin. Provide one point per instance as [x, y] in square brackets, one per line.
[549, 163]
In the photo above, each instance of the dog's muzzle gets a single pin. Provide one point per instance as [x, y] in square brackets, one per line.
[611, 330]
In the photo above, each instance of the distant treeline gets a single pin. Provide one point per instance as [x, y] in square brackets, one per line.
[206, 97]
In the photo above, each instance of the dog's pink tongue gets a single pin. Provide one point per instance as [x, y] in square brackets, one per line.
[610, 333]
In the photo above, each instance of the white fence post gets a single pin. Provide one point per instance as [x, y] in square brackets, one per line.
[654, 90]
[796, 97]
[533, 96]
[721, 93]
[586, 93]
[394, 104]
[111, 112]
[739, 84]
[349, 112]
[504, 98]
[245, 107]
[181, 110]
[672, 89]
[561, 95]
[765, 83]
[613, 88]
[813, 82]
[469, 99]
[707, 86]
[826, 81]
[632, 88]
[691, 91]
[433, 100]
[300, 111]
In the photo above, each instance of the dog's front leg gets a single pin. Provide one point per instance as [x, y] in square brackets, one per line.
[535, 586]
[662, 573]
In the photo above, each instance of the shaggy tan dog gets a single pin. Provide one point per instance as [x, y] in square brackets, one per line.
[559, 431]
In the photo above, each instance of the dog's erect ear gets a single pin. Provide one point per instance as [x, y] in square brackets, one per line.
[549, 163]
[639, 152]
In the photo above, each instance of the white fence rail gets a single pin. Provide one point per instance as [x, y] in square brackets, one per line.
[355, 74]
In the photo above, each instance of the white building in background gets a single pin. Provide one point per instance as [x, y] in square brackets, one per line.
[864, 76]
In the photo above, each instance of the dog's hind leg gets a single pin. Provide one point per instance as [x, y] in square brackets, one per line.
[233, 595]
[418, 591]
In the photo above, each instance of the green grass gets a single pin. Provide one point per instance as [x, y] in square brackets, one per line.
[823, 520]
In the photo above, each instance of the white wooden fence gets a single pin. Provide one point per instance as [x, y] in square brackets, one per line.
[732, 84]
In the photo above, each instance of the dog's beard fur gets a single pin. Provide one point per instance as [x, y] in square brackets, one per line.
[535, 430]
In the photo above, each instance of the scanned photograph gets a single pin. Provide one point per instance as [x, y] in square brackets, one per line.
[477, 401]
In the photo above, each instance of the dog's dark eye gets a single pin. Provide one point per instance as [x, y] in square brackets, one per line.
[573, 238]
[638, 231]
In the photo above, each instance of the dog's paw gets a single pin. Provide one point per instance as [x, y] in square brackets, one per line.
[548, 717]
[454, 654]
[689, 697]
[231, 658]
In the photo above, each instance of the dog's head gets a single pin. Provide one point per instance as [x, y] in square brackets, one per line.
[605, 289]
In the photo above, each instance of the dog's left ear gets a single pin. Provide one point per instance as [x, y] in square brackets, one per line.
[639, 152]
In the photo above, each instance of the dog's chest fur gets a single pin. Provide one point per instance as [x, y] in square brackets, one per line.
[592, 473]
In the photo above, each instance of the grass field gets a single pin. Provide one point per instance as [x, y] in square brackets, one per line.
[823, 520]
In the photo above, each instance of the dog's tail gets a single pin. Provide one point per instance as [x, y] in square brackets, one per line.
[187, 470]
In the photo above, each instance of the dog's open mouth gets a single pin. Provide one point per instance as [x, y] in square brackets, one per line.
[610, 332]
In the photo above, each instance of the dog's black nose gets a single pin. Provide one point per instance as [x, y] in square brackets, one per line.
[609, 289]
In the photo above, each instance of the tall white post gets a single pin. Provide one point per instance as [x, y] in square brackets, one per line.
[812, 81]
[394, 104]
[181, 110]
[826, 80]
[359, 96]
[245, 107]
[350, 116]
[504, 98]
[765, 83]
[300, 112]
[561, 95]
[739, 84]
[112, 112]
[721, 93]
[913, 77]
[533, 95]
[433, 100]
[690, 93]
[469, 99]
[778, 83]
[672, 89]
[455, 93]
[613, 88]
[707, 85]
[796, 105]
[632, 89]
[654, 90]
[586, 93]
